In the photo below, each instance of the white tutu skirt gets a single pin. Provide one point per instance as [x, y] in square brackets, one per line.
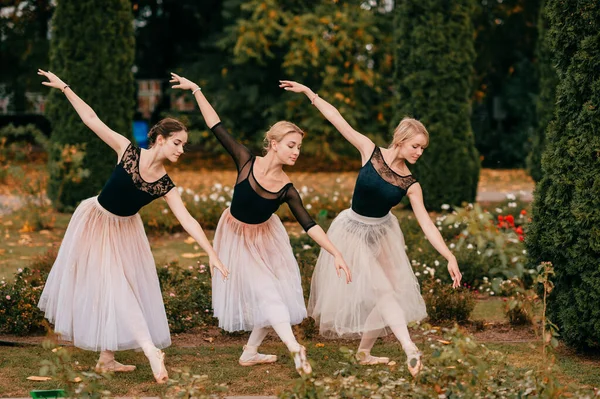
[103, 291]
[264, 287]
[384, 290]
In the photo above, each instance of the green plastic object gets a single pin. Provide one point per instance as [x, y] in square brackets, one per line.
[49, 393]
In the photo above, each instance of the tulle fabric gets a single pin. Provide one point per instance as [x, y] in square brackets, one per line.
[103, 291]
[384, 290]
[264, 286]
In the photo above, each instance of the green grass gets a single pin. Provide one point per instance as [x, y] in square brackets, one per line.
[489, 310]
[219, 362]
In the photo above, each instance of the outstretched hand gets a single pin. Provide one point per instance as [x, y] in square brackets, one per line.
[290, 85]
[454, 273]
[215, 262]
[53, 80]
[340, 264]
[182, 83]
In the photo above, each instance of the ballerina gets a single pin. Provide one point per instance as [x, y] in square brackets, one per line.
[385, 294]
[264, 289]
[102, 292]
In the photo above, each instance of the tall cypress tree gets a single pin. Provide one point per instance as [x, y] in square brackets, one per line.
[566, 211]
[92, 49]
[434, 68]
[546, 98]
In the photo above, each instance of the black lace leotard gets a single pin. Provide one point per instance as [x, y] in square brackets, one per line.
[125, 192]
[378, 188]
[252, 203]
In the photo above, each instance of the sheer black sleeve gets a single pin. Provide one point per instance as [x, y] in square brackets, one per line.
[295, 203]
[240, 154]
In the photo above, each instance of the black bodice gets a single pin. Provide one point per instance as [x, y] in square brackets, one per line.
[378, 188]
[252, 203]
[125, 192]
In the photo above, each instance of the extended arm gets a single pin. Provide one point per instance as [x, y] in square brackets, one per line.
[116, 141]
[193, 228]
[415, 194]
[362, 143]
[315, 231]
[238, 151]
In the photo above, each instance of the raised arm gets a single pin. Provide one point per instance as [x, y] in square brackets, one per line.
[415, 194]
[238, 151]
[362, 143]
[116, 141]
[193, 228]
[315, 231]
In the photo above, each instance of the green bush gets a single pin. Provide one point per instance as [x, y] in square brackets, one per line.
[187, 296]
[94, 53]
[19, 313]
[546, 97]
[566, 208]
[445, 303]
[433, 77]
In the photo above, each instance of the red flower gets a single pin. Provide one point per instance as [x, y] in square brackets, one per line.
[519, 230]
[521, 238]
[510, 219]
[523, 212]
[500, 218]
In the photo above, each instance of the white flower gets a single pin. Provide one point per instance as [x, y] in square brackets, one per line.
[218, 186]
[335, 198]
[512, 204]
[452, 245]
[336, 193]
[524, 252]
[431, 291]
[437, 280]
[308, 206]
[228, 203]
[226, 189]
[510, 197]
[440, 228]
[203, 198]
[485, 279]
[221, 199]
[445, 207]
[180, 189]
[470, 246]
[316, 198]
[20, 270]
[196, 198]
[165, 211]
[417, 274]
[425, 271]
[498, 210]
[492, 293]
[213, 196]
[306, 246]
[188, 191]
[304, 190]
[436, 262]
[338, 180]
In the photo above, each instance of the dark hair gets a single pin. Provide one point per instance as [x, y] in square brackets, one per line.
[165, 127]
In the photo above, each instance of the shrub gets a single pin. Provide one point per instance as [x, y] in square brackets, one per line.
[435, 55]
[445, 303]
[186, 295]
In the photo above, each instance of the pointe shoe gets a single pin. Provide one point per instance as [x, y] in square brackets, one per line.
[112, 366]
[256, 358]
[417, 367]
[157, 363]
[366, 359]
[301, 361]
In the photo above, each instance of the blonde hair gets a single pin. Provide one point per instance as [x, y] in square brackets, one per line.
[407, 129]
[278, 131]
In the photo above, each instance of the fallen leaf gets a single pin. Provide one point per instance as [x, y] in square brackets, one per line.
[45, 232]
[38, 378]
[9, 223]
[441, 341]
[392, 363]
[76, 379]
[193, 255]
[319, 345]
[209, 339]
[189, 240]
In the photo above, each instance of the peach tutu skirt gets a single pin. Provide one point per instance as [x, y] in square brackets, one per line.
[103, 291]
[264, 286]
[384, 290]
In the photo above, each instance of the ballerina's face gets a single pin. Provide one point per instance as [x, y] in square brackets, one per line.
[288, 149]
[412, 149]
[172, 146]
